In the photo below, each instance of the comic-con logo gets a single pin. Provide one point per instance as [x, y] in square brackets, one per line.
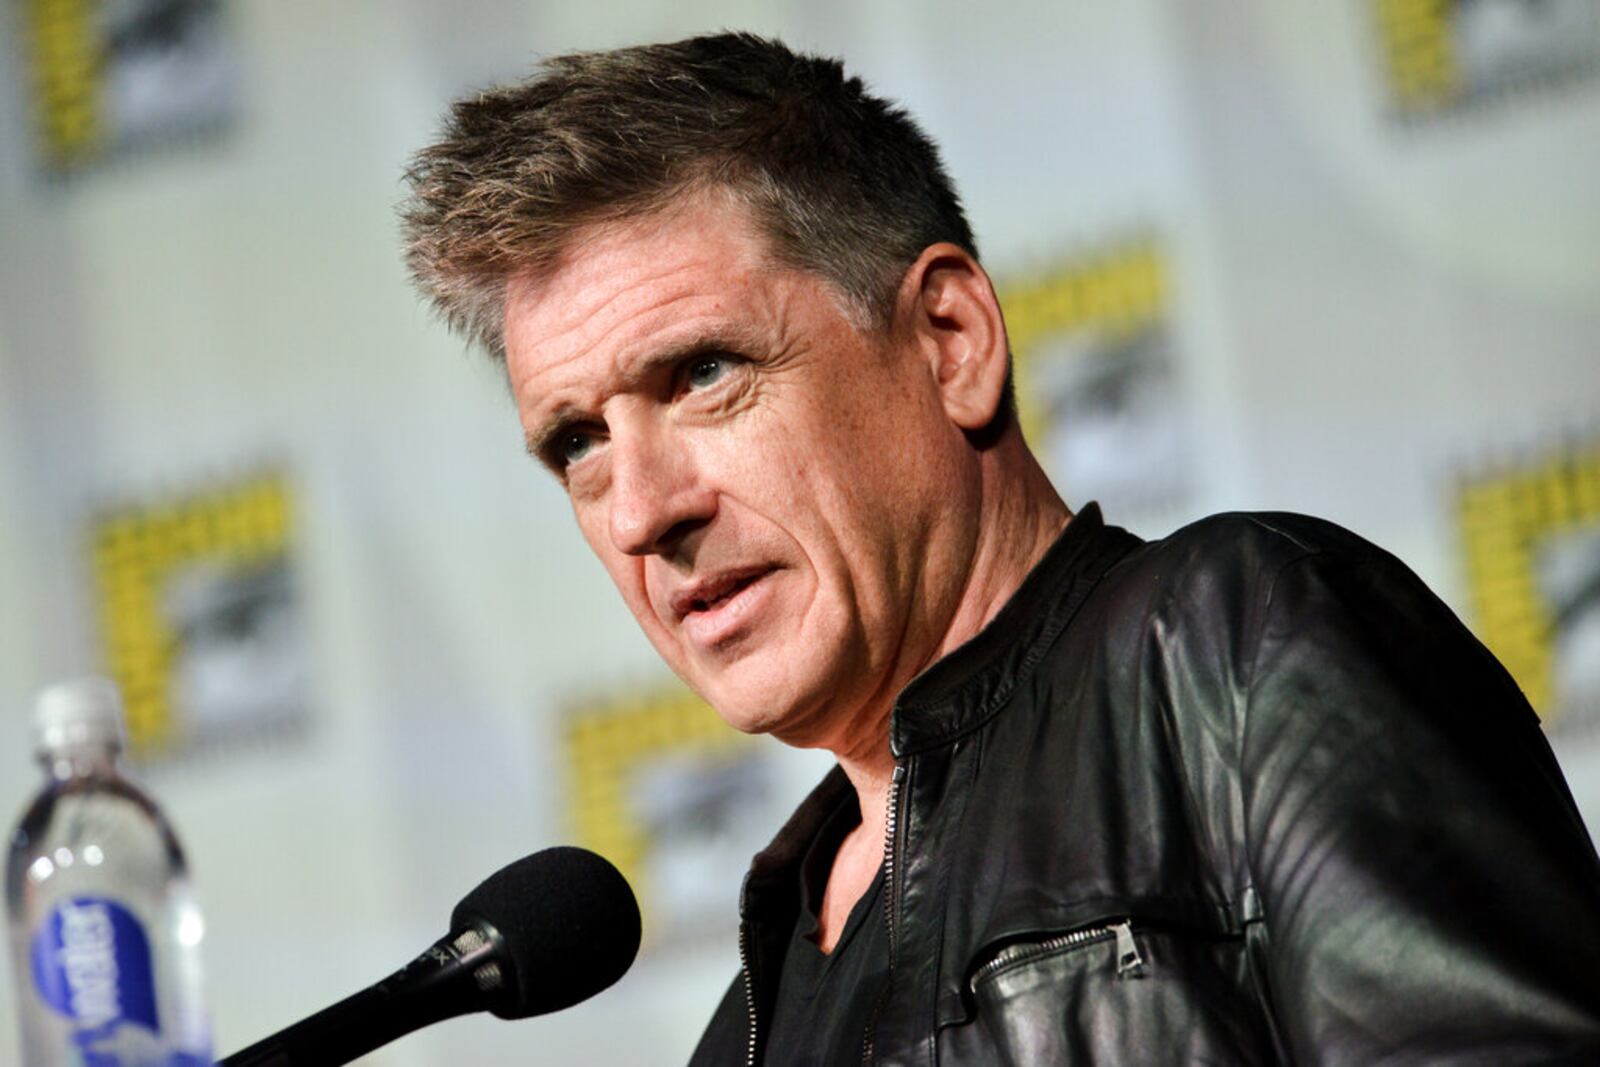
[1441, 55]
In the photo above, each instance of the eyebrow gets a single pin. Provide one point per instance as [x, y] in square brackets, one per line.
[730, 342]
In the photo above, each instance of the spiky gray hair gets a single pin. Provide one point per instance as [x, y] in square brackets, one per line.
[842, 183]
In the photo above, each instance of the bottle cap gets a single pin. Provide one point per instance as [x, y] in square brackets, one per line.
[84, 711]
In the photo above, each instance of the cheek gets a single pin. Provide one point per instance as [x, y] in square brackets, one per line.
[788, 485]
[591, 525]
[627, 572]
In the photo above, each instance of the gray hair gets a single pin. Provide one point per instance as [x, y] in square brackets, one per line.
[841, 182]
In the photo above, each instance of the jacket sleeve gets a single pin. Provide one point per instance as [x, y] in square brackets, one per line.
[1427, 890]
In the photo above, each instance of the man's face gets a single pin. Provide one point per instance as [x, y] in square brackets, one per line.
[778, 495]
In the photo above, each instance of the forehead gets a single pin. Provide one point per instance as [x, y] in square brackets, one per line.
[621, 285]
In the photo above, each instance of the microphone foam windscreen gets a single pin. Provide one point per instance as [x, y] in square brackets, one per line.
[570, 925]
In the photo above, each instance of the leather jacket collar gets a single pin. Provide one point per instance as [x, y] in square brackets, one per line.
[958, 693]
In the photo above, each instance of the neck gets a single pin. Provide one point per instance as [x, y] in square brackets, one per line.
[1020, 516]
[1023, 517]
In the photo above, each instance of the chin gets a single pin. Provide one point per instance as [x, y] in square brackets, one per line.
[756, 724]
[749, 709]
[771, 707]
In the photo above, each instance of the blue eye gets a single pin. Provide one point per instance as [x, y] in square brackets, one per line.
[572, 447]
[705, 370]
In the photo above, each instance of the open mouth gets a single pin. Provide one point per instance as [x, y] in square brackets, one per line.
[725, 592]
[711, 596]
[720, 612]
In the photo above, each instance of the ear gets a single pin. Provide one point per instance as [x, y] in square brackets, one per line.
[955, 323]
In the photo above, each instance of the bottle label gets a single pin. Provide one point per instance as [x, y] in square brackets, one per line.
[91, 964]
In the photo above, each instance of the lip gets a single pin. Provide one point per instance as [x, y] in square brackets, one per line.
[707, 593]
[714, 608]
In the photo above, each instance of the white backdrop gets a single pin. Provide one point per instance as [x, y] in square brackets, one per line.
[1359, 308]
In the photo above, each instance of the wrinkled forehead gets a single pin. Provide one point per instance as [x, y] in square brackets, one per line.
[697, 207]
[708, 228]
[686, 233]
[638, 276]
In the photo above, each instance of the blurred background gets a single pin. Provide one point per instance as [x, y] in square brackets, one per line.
[1341, 258]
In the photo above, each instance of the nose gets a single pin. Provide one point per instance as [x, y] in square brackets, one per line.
[657, 495]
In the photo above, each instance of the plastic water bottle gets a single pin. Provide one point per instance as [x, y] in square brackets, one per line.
[105, 932]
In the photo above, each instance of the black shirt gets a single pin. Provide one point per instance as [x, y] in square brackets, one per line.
[825, 1000]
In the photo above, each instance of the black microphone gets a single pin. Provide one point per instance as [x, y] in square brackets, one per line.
[538, 935]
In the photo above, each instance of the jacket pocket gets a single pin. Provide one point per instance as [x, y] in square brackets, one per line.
[1116, 992]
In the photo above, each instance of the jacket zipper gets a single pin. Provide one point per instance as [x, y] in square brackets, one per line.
[1130, 962]
[749, 991]
[891, 834]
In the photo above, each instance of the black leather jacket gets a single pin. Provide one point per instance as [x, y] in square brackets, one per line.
[1247, 795]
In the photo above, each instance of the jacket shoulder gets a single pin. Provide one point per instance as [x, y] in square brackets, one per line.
[1207, 583]
[1259, 542]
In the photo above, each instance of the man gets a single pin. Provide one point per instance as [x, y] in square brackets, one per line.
[1246, 795]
